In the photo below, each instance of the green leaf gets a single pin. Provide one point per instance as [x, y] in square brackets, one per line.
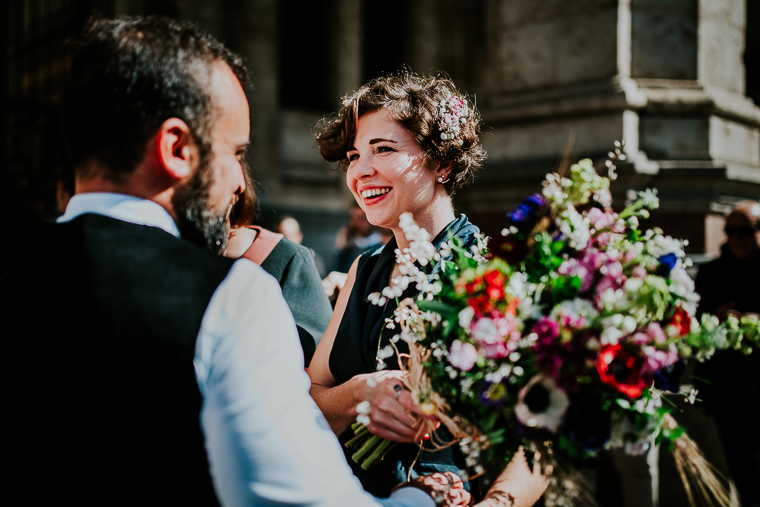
[435, 306]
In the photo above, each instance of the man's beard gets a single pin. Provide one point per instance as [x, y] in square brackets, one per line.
[197, 221]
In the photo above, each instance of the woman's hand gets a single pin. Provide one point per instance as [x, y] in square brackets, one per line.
[393, 414]
[445, 488]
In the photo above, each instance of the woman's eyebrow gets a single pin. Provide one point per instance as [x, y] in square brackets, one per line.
[380, 140]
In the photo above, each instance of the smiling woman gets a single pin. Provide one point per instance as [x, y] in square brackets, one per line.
[406, 143]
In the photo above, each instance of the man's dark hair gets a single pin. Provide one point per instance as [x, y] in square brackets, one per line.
[128, 76]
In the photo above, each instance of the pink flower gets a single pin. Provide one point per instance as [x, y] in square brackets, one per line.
[568, 267]
[640, 338]
[603, 239]
[612, 270]
[491, 333]
[640, 271]
[600, 220]
[604, 284]
[586, 275]
[494, 350]
[485, 330]
[573, 321]
[655, 359]
[505, 323]
[593, 259]
[463, 355]
[655, 332]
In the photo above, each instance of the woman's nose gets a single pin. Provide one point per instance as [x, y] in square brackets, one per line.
[363, 168]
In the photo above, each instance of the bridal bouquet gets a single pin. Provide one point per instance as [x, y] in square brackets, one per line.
[565, 339]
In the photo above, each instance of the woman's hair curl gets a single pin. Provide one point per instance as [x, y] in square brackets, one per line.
[415, 103]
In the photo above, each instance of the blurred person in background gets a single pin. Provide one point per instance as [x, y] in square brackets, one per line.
[730, 283]
[352, 240]
[355, 238]
[290, 228]
[730, 382]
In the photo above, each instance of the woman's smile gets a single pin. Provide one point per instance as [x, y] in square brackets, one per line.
[370, 195]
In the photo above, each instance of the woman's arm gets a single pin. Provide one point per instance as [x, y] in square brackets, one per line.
[390, 415]
[517, 486]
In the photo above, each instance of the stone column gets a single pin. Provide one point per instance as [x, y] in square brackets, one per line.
[348, 47]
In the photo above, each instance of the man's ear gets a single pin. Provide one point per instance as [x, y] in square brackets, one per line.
[177, 151]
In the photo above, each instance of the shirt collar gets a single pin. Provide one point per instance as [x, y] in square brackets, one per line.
[126, 208]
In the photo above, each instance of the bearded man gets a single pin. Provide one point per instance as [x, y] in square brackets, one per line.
[143, 369]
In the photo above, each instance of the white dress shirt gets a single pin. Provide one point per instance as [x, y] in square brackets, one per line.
[267, 442]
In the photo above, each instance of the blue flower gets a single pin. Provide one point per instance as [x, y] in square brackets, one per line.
[525, 215]
[667, 263]
[669, 378]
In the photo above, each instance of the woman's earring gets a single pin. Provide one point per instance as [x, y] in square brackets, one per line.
[443, 179]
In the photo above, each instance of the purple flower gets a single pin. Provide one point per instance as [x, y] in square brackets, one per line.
[463, 355]
[547, 330]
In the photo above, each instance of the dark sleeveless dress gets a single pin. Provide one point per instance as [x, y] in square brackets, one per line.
[360, 334]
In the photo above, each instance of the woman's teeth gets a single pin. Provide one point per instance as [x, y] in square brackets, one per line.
[366, 194]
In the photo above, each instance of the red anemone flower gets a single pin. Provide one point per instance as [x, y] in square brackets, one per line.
[621, 370]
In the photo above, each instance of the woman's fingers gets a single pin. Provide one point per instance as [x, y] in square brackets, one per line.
[393, 415]
[448, 487]
[388, 419]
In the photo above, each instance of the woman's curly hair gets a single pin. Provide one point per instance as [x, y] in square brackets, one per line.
[414, 102]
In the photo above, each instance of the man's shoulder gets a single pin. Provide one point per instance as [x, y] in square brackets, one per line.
[101, 248]
[134, 239]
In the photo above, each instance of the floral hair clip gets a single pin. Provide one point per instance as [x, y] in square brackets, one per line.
[453, 115]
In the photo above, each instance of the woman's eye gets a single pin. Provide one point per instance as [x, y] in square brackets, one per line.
[352, 157]
[381, 149]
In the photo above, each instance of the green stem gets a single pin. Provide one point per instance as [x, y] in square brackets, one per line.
[360, 434]
[375, 456]
[365, 448]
